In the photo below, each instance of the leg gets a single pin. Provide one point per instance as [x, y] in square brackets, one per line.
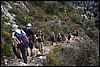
[39, 46]
[52, 42]
[16, 53]
[31, 52]
[24, 55]
[31, 46]
[27, 51]
[42, 47]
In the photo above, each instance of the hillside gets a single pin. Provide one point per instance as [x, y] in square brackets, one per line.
[57, 16]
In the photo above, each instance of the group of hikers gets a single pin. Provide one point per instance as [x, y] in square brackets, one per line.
[23, 39]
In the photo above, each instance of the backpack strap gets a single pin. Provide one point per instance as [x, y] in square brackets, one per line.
[18, 34]
[21, 31]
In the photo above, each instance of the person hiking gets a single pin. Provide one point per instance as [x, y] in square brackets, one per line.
[69, 36]
[20, 41]
[52, 37]
[30, 35]
[40, 39]
[59, 37]
[77, 32]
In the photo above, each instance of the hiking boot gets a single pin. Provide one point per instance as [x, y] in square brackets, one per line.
[19, 57]
[18, 60]
[24, 64]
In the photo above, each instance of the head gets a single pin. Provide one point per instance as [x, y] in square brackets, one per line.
[29, 25]
[39, 31]
[14, 27]
[52, 32]
[59, 33]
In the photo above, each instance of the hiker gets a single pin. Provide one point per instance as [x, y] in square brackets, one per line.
[69, 36]
[40, 39]
[30, 35]
[77, 32]
[59, 37]
[52, 37]
[20, 41]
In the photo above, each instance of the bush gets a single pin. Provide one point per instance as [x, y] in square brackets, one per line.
[53, 58]
[7, 36]
[52, 8]
[86, 55]
[6, 50]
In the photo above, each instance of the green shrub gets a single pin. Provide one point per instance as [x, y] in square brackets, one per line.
[14, 10]
[6, 50]
[54, 57]
[7, 36]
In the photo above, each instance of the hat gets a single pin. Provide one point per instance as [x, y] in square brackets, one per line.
[14, 27]
[59, 33]
[29, 24]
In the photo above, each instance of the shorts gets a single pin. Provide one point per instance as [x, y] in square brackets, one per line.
[30, 44]
[40, 43]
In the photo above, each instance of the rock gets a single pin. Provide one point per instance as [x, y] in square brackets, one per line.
[12, 59]
[42, 57]
[4, 56]
[37, 64]
[5, 60]
[5, 63]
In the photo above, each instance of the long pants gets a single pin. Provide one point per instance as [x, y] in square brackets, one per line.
[23, 51]
[16, 53]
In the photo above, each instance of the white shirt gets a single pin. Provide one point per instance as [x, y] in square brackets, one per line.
[18, 31]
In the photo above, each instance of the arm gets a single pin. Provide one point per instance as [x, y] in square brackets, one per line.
[43, 38]
[15, 44]
[35, 36]
[14, 40]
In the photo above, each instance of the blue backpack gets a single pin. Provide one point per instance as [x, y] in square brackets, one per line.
[21, 37]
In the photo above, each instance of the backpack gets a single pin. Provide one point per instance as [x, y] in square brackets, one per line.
[22, 38]
[59, 36]
[40, 37]
[30, 34]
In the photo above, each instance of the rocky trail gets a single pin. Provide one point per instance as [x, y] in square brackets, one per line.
[37, 58]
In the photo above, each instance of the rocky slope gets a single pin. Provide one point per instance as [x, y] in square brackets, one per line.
[57, 16]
